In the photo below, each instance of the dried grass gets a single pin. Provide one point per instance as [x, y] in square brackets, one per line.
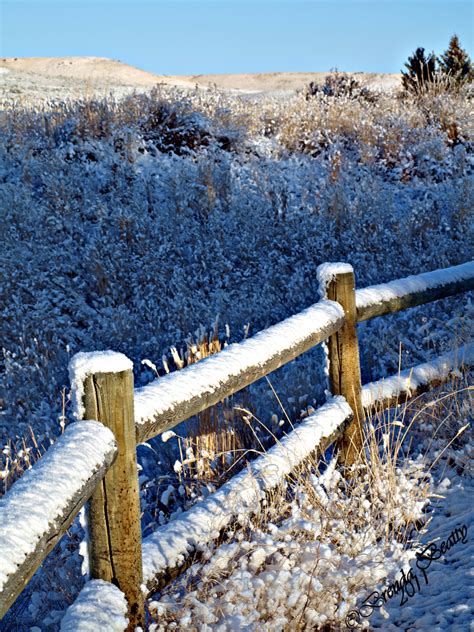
[369, 519]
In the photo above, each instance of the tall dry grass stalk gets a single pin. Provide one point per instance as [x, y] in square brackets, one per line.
[334, 538]
[18, 456]
[220, 439]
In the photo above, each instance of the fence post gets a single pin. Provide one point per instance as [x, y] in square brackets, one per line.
[343, 351]
[114, 510]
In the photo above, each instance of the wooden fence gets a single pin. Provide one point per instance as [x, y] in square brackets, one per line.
[98, 460]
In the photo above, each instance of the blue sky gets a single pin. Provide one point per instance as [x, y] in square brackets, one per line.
[224, 36]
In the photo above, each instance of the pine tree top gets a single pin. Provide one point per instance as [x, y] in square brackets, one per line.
[456, 63]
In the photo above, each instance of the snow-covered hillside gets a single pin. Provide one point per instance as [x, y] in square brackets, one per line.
[133, 224]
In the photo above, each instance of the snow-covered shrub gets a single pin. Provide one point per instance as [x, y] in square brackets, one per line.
[340, 84]
[127, 225]
[109, 245]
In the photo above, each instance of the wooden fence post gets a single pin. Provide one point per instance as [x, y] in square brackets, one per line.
[114, 511]
[344, 363]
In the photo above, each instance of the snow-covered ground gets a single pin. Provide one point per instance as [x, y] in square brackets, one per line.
[328, 561]
[445, 599]
[239, 497]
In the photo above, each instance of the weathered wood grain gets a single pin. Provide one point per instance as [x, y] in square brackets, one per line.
[114, 520]
[344, 364]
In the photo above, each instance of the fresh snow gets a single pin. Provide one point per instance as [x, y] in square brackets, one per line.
[166, 436]
[240, 496]
[302, 566]
[447, 601]
[99, 606]
[40, 496]
[383, 292]
[86, 363]
[327, 271]
[168, 391]
[84, 546]
[251, 234]
[410, 379]
[314, 567]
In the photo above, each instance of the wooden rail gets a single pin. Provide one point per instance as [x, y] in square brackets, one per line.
[42, 504]
[103, 390]
[178, 396]
[388, 298]
[397, 389]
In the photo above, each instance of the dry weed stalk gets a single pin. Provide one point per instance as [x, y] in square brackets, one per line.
[377, 513]
[211, 452]
[17, 457]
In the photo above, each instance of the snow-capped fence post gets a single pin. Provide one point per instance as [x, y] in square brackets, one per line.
[103, 385]
[338, 284]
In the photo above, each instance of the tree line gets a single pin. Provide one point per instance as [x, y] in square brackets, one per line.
[452, 68]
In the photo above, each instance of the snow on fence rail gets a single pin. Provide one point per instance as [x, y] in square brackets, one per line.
[178, 396]
[165, 551]
[387, 298]
[41, 505]
[394, 390]
[102, 386]
[99, 606]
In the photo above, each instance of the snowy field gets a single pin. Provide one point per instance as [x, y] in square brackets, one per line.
[140, 225]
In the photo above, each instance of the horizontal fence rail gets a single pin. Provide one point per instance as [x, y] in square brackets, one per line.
[388, 298]
[173, 398]
[169, 546]
[41, 505]
[397, 389]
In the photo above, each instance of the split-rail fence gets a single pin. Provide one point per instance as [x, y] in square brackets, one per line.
[105, 448]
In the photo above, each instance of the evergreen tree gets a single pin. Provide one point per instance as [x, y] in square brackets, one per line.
[456, 63]
[421, 71]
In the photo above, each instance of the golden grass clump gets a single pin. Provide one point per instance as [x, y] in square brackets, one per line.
[208, 454]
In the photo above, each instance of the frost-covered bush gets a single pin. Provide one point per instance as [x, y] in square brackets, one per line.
[340, 84]
[115, 237]
[127, 225]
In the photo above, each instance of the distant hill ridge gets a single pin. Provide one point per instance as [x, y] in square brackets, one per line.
[56, 77]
